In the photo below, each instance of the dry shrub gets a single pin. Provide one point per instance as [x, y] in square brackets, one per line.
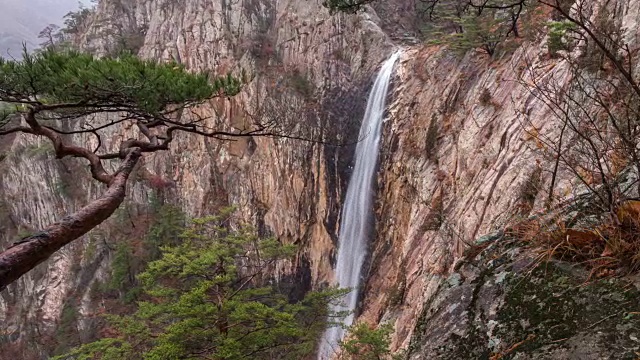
[485, 97]
[609, 248]
[159, 183]
[527, 229]
[435, 216]
[154, 181]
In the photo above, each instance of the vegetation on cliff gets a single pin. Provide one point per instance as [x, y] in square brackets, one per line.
[594, 128]
[209, 296]
[502, 303]
[205, 289]
[596, 117]
[586, 75]
[50, 90]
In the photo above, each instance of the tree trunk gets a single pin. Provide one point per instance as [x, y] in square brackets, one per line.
[24, 255]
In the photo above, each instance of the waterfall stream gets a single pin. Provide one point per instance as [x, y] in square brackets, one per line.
[357, 208]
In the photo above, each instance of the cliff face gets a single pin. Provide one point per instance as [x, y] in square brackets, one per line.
[496, 305]
[458, 162]
[453, 167]
[310, 71]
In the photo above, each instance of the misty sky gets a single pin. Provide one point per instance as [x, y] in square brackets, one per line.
[22, 20]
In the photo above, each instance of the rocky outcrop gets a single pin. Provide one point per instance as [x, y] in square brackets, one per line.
[502, 302]
[458, 161]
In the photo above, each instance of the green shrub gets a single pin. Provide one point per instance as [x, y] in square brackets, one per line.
[207, 296]
[363, 342]
[66, 333]
[556, 38]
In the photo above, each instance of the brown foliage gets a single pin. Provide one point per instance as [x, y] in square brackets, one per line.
[611, 247]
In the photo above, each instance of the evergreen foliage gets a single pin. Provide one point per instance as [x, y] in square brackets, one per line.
[54, 87]
[129, 261]
[123, 272]
[556, 40]
[169, 222]
[74, 81]
[75, 23]
[482, 31]
[348, 6]
[463, 26]
[208, 296]
[66, 334]
[364, 342]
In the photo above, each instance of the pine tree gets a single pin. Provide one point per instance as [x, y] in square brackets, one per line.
[46, 93]
[209, 297]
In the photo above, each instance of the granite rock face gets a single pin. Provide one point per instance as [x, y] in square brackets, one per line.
[503, 303]
[309, 70]
[453, 169]
[455, 161]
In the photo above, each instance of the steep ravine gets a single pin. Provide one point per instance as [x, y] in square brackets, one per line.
[313, 71]
[451, 169]
[455, 166]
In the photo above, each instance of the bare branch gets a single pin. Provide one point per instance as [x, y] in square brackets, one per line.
[22, 129]
[62, 149]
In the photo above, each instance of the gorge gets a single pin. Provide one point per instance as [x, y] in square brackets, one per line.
[466, 161]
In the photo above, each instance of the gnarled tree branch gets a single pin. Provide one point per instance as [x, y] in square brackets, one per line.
[63, 149]
[27, 253]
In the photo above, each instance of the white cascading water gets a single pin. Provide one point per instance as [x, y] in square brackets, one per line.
[357, 209]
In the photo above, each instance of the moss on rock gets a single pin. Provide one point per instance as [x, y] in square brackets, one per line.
[508, 306]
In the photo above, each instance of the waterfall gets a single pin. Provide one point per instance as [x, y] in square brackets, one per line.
[357, 209]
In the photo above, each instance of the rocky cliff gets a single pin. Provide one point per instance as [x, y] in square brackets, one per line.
[455, 161]
[309, 69]
[498, 304]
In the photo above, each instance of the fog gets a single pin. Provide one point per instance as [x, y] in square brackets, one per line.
[22, 20]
